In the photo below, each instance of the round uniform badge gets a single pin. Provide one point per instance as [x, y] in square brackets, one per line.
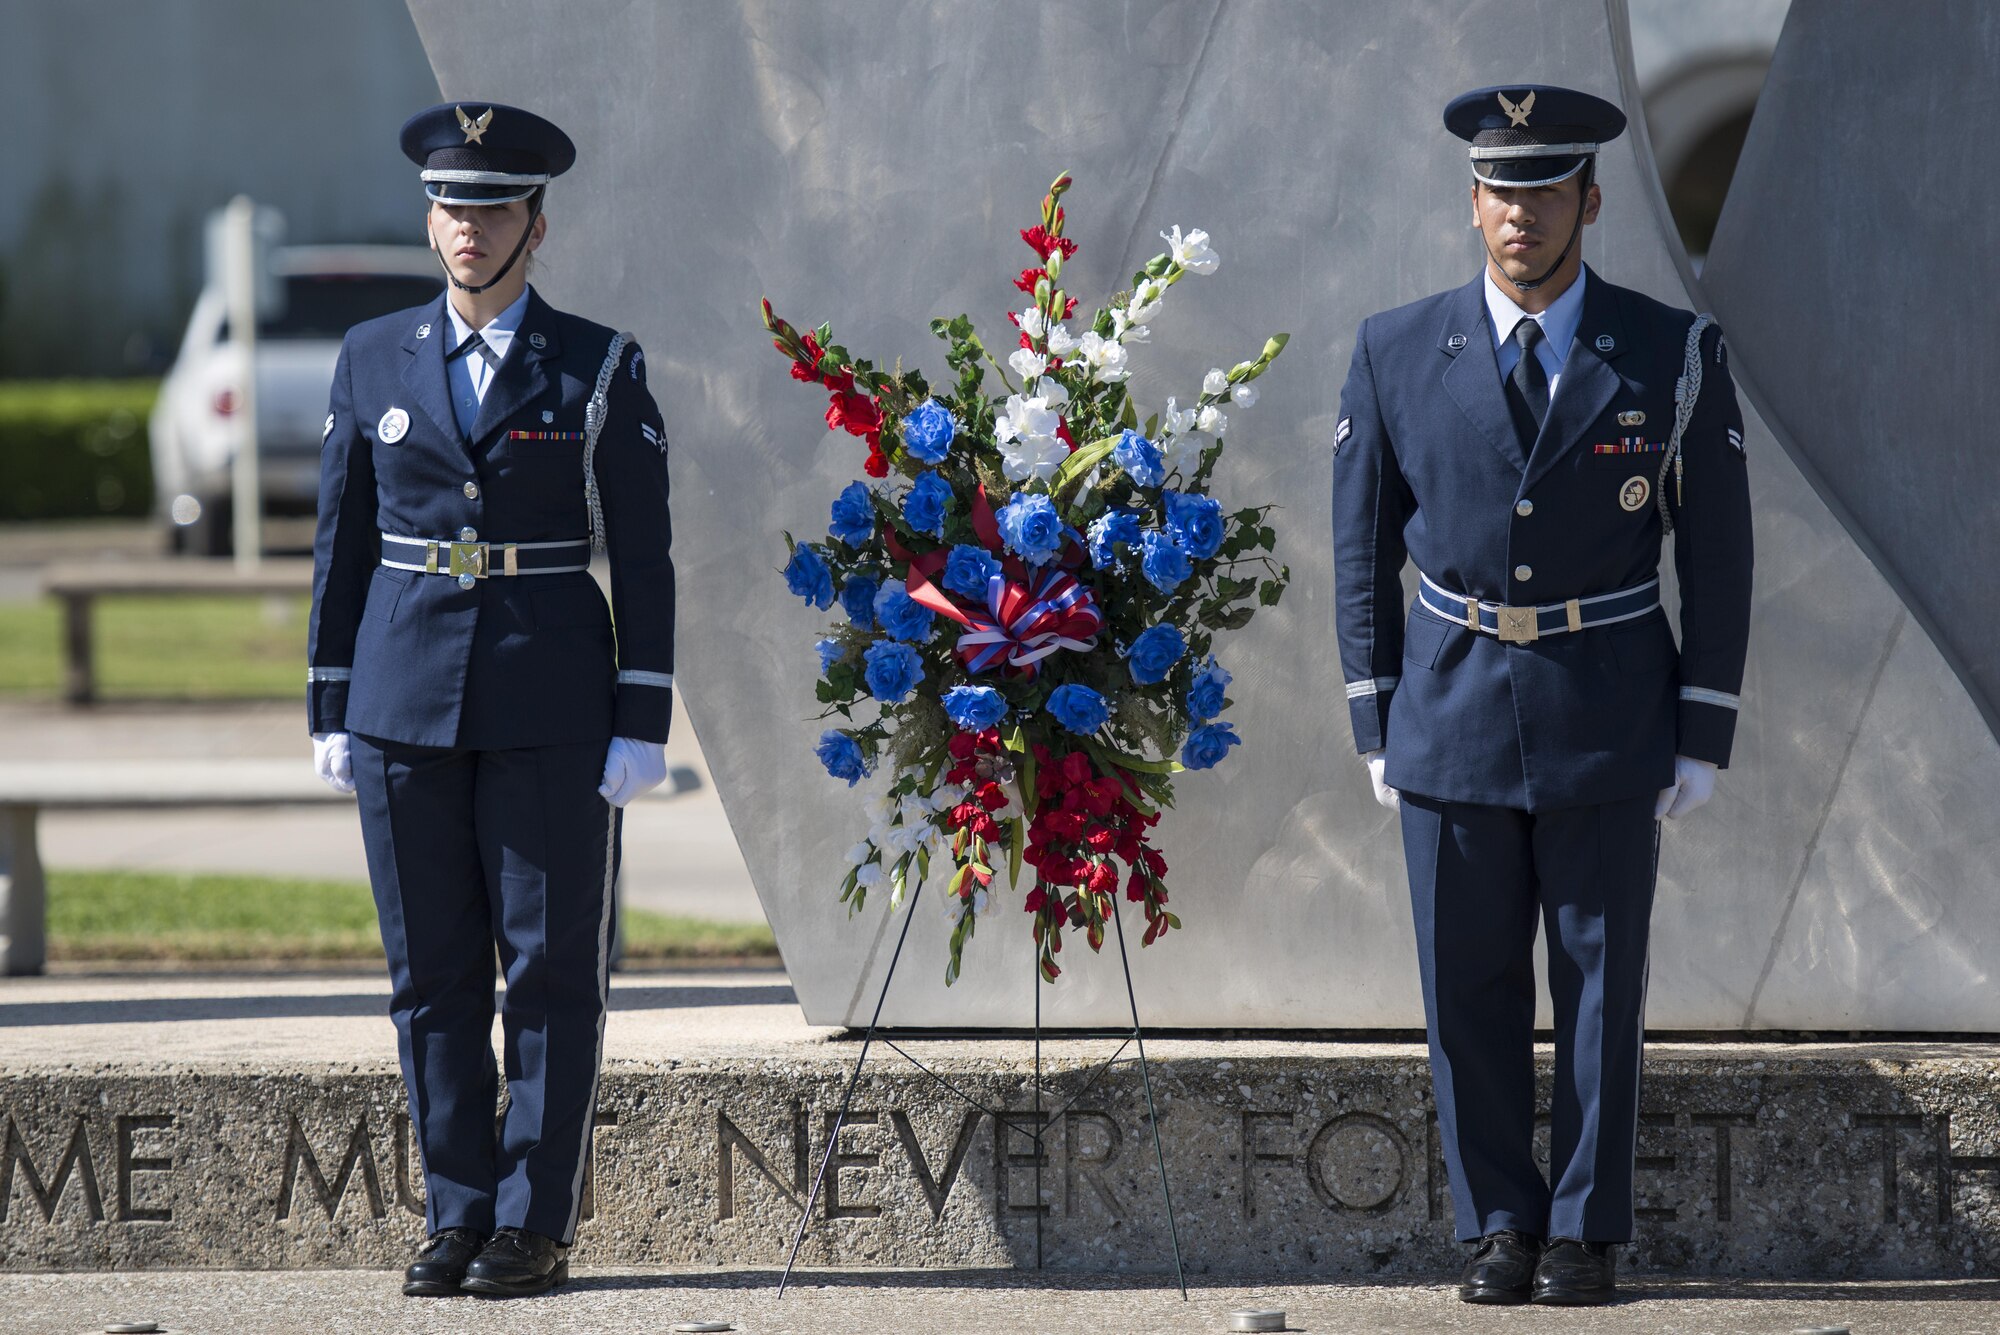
[395, 424]
[1635, 493]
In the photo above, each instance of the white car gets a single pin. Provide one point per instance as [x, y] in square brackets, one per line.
[197, 424]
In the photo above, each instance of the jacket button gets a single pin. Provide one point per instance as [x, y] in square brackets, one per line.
[1524, 573]
[1521, 508]
[468, 535]
[472, 491]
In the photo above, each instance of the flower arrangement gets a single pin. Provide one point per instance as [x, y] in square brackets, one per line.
[1030, 591]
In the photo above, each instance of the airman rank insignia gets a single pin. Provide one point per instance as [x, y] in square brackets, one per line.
[1342, 432]
[1633, 418]
[1635, 493]
[395, 424]
[1736, 441]
[652, 437]
[328, 431]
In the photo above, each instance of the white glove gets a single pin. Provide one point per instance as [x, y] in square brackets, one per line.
[1694, 784]
[332, 761]
[1384, 794]
[632, 767]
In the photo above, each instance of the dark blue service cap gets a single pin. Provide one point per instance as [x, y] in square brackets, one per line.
[484, 152]
[1531, 134]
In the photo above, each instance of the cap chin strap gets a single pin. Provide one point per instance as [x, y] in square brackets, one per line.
[527, 231]
[1530, 284]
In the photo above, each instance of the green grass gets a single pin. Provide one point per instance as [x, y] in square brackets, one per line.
[155, 916]
[225, 648]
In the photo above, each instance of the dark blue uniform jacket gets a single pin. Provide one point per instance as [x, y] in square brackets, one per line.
[528, 660]
[1429, 468]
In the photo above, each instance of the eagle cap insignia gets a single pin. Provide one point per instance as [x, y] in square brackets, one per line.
[474, 129]
[1517, 112]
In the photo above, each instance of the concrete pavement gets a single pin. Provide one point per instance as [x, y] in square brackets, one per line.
[978, 1301]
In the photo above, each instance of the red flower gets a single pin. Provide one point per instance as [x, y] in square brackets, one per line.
[1155, 863]
[1043, 244]
[991, 796]
[1100, 839]
[1103, 880]
[1069, 308]
[1135, 888]
[857, 414]
[1076, 768]
[877, 464]
[1029, 277]
[961, 746]
[1036, 898]
[1066, 825]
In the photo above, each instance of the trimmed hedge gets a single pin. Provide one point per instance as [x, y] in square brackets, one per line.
[75, 448]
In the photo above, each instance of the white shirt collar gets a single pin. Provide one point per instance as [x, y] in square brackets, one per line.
[1558, 322]
[499, 331]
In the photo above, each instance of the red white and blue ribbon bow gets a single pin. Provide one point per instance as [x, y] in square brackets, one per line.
[1023, 624]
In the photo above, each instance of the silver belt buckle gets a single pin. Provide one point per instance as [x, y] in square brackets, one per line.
[1518, 625]
[468, 558]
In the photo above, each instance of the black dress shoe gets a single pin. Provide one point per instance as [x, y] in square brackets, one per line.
[1575, 1274]
[1502, 1268]
[517, 1263]
[440, 1265]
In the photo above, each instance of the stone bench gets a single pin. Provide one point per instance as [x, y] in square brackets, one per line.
[29, 787]
[78, 585]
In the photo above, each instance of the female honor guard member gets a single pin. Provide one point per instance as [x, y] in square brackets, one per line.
[1528, 440]
[466, 681]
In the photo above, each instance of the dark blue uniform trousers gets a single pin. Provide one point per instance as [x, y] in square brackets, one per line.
[1477, 876]
[469, 850]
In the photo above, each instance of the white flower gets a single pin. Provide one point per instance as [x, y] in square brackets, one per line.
[881, 809]
[1025, 416]
[1174, 422]
[1183, 452]
[1245, 396]
[1033, 323]
[1191, 252]
[1146, 301]
[1027, 363]
[1061, 342]
[1216, 382]
[1212, 421]
[1026, 435]
[979, 901]
[1125, 331]
[1106, 358]
[861, 852]
[869, 876]
[904, 839]
[1053, 391]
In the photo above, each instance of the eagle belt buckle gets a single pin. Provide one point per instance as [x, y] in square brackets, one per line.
[468, 558]
[1518, 625]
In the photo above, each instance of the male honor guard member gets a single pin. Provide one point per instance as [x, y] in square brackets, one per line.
[465, 679]
[1528, 440]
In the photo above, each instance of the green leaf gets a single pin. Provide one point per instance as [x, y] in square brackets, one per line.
[1235, 620]
[1269, 592]
[1079, 464]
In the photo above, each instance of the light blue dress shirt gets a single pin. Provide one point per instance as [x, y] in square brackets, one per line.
[1558, 323]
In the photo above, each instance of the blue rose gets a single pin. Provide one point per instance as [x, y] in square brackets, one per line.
[1208, 744]
[1079, 708]
[923, 508]
[1195, 523]
[841, 755]
[893, 671]
[1110, 529]
[853, 515]
[1140, 458]
[903, 616]
[1204, 697]
[927, 431]
[808, 577]
[830, 652]
[974, 708]
[1164, 565]
[1154, 654]
[1030, 526]
[967, 569]
[857, 599]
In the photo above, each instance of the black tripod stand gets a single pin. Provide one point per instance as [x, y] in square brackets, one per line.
[1135, 1039]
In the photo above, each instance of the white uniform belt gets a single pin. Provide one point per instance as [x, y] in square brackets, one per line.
[469, 560]
[1523, 625]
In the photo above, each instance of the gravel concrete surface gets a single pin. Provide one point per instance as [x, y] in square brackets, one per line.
[988, 1303]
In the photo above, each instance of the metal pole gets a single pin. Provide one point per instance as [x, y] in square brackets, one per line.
[240, 282]
[1040, 1127]
[1145, 1076]
[847, 1098]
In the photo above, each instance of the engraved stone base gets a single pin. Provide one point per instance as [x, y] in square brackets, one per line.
[1286, 1158]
